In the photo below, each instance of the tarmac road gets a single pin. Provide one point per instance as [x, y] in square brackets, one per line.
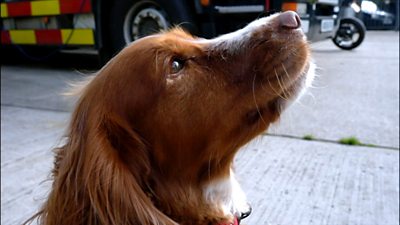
[289, 180]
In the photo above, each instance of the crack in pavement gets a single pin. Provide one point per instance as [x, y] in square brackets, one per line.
[329, 141]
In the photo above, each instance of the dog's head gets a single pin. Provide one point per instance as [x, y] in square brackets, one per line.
[196, 101]
[170, 111]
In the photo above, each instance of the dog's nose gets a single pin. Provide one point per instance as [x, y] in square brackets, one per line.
[290, 20]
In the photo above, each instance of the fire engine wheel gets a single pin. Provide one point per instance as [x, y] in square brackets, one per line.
[133, 19]
[143, 22]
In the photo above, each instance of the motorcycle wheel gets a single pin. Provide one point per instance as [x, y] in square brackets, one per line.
[350, 34]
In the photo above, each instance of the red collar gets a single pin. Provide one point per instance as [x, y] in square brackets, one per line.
[235, 222]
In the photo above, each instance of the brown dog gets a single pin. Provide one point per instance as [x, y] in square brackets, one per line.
[155, 132]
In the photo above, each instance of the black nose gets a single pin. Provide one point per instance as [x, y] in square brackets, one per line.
[290, 20]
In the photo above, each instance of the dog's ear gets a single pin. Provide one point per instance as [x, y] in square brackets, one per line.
[129, 147]
[100, 173]
[116, 174]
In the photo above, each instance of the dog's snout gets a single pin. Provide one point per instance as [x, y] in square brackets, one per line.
[290, 20]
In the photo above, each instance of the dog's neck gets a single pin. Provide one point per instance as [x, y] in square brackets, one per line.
[217, 200]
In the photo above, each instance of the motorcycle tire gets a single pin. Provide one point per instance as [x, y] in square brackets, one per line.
[356, 26]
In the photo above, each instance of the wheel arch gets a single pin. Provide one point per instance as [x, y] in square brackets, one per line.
[186, 11]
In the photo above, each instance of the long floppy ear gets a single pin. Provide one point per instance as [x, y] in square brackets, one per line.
[99, 174]
[117, 171]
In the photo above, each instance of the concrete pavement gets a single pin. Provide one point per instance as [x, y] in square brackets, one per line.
[289, 181]
[355, 94]
[295, 182]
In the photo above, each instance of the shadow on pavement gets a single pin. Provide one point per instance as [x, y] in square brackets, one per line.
[50, 57]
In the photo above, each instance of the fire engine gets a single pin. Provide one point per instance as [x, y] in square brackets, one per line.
[108, 26]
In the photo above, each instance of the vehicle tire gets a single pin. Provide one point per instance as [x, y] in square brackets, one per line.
[350, 34]
[133, 19]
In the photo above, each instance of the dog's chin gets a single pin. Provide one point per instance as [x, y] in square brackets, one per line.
[298, 88]
[271, 110]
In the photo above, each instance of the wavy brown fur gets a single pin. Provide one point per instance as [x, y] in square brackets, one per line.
[144, 142]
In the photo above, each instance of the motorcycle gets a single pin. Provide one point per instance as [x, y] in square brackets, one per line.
[351, 31]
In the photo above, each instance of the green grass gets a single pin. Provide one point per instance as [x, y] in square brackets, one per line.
[308, 137]
[353, 141]
[350, 141]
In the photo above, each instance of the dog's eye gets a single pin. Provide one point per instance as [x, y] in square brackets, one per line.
[177, 65]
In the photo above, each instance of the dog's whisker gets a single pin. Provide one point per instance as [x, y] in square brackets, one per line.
[306, 106]
[280, 84]
[271, 86]
[255, 100]
[286, 73]
[274, 90]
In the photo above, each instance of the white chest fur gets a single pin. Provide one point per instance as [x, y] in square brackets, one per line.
[227, 194]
